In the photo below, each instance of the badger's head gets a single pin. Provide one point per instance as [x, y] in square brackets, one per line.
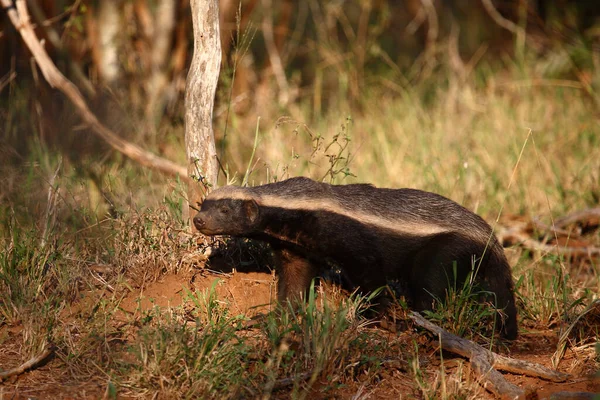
[228, 211]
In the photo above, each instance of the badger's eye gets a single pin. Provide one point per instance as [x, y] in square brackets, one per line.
[224, 210]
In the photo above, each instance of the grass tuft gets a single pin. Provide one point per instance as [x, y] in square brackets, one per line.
[178, 357]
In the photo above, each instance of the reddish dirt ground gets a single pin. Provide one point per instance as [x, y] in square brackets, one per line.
[251, 293]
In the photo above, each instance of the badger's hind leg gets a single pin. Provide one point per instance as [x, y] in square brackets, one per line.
[442, 262]
[447, 259]
[295, 272]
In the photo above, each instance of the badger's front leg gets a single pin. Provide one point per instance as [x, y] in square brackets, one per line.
[295, 272]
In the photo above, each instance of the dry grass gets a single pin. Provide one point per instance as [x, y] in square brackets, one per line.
[67, 287]
[464, 147]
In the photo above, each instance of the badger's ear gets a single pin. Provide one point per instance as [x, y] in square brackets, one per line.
[251, 210]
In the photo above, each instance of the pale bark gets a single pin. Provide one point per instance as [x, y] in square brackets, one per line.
[201, 87]
[109, 24]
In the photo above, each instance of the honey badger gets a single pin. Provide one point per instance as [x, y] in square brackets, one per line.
[375, 235]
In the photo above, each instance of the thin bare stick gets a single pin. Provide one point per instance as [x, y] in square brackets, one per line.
[31, 364]
[6, 79]
[54, 38]
[525, 241]
[515, 366]
[485, 363]
[491, 379]
[416, 22]
[274, 57]
[577, 217]
[432, 22]
[50, 213]
[543, 227]
[500, 20]
[20, 19]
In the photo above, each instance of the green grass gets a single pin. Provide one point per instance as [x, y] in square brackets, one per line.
[187, 356]
[465, 312]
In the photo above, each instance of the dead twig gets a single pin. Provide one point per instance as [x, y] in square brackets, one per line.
[6, 79]
[273, 53]
[544, 227]
[29, 365]
[578, 216]
[521, 234]
[284, 382]
[500, 20]
[505, 23]
[20, 19]
[531, 244]
[102, 281]
[432, 24]
[486, 363]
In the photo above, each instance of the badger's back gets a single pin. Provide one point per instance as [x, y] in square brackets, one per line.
[401, 209]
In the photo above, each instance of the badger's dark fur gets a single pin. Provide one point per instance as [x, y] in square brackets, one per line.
[374, 235]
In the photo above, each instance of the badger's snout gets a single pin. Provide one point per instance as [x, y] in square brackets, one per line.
[199, 222]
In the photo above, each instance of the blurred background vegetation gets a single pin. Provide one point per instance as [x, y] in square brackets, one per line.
[439, 95]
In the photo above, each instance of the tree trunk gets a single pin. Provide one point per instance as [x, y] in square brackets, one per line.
[158, 29]
[199, 98]
[109, 24]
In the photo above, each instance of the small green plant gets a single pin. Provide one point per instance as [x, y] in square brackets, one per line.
[27, 272]
[582, 327]
[311, 339]
[463, 312]
[201, 358]
[174, 202]
[545, 294]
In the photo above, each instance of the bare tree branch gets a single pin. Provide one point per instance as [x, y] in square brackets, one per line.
[432, 24]
[54, 38]
[274, 57]
[500, 20]
[20, 19]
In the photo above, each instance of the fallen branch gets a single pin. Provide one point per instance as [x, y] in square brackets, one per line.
[577, 217]
[525, 241]
[521, 234]
[552, 229]
[486, 363]
[19, 17]
[29, 365]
